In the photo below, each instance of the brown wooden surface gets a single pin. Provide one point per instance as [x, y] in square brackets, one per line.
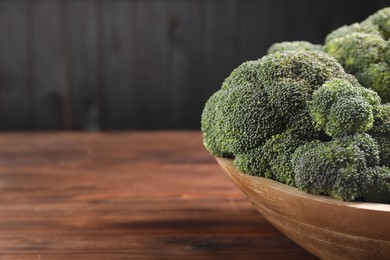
[125, 195]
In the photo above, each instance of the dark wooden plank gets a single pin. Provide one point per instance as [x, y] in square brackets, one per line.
[126, 195]
[15, 110]
[153, 66]
[257, 29]
[120, 89]
[81, 39]
[49, 73]
[220, 42]
[185, 62]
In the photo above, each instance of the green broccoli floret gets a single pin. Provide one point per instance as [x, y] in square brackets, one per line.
[272, 160]
[366, 143]
[377, 76]
[377, 185]
[277, 153]
[294, 46]
[344, 30]
[337, 168]
[238, 119]
[381, 133]
[341, 109]
[313, 67]
[299, 118]
[330, 169]
[363, 49]
[251, 162]
[249, 110]
[381, 20]
[356, 51]
[247, 74]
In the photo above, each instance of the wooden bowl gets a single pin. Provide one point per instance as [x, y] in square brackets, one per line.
[327, 228]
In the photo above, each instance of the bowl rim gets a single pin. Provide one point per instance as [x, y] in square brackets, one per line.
[382, 207]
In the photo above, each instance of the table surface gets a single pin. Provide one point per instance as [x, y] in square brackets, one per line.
[138, 195]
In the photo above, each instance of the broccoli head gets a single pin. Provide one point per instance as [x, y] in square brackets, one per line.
[380, 20]
[341, 109]
[363, 50]
[297, 117]
[277, 153]
[244, 75]
[248, 110]
[356, 51]
[381, 133]
[377, 185]
[336, 168]
[294, 46]
[344, 30]
[377, 76]
[251, 162]
[236, 120]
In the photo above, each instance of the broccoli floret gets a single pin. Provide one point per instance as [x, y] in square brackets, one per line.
[272, 160]
[337, 168]
[314, 67]
[329, 169]
[247, 74]
[273, 99]
[344, 30]
[365, 143]
[381, 133]
[299, 118]
[356, 51]
[377, 185]
[363, 49]
[277, 153]
[294, 46]
[381, 20]
[341, 109]
[251, 162]
[377, 76]
[238, 119]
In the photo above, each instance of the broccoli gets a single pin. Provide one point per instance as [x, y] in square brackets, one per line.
[377, 76]
[337, 168]
[330, 169]
[294, 46]
[277, 153]
[248, 110]
[363, 49]
[252, 162]
[356, 51]
[297, 117]
[233, 121]
[341, 109]
[381, 133]
[377, 185]
[380, 20]
[340, 32]
[344, 168]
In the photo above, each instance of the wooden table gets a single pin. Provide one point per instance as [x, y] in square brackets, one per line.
[125, 195]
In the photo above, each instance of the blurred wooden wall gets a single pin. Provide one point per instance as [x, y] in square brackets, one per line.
[140, 64]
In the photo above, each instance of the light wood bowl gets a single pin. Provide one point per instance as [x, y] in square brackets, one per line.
[327, 228]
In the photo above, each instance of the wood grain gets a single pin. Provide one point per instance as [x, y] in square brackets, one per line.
[81, 38]
[155, 195]
[15, 103]
[49, 88]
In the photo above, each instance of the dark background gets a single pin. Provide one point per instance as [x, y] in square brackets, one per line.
[147, 64]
